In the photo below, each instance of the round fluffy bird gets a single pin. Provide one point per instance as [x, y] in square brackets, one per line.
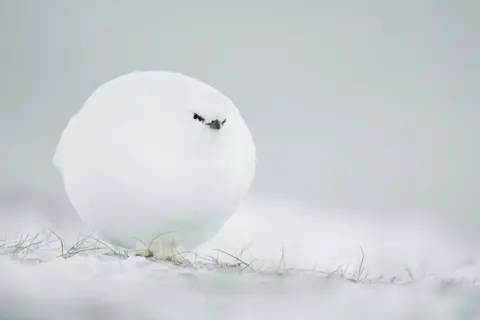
[158, 158]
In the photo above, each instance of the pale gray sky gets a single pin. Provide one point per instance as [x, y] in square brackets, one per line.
[353, 104]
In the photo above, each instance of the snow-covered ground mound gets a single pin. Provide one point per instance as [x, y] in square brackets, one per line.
[273, 259]
[89, 288]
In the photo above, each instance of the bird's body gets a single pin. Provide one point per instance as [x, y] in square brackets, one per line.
[155, 153]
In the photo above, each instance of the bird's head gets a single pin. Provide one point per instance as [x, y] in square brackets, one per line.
[212, 111]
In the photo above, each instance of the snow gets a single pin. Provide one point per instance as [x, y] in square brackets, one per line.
[86, 288]
[304, 284]
[139, 159]
[327, 238]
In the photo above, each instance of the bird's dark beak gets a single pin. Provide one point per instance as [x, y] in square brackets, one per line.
[215, 124]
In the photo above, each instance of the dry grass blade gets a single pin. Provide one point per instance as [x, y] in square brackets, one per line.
[334, 272]
[210, 259]
[80, 242]
[153, 240]
[59, 238]
[158, 236]
[281, 263]
[27, 244]
[142, 242]
[361, 269]
[409, 271]
[345, 270]
[236, 258]
[108, 247]
[149, 245]
[308, 271]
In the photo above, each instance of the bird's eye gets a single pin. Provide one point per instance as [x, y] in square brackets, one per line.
[198, 117]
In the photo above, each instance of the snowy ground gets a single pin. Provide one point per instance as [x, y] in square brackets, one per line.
[295, 263]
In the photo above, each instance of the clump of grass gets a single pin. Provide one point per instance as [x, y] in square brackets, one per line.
[26, 245]
[224, 261]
